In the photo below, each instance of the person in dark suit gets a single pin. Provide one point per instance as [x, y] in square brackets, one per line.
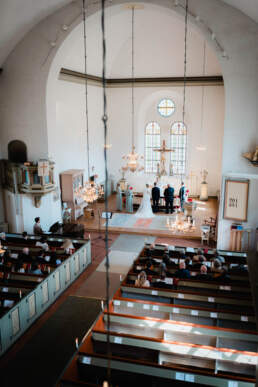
[182, 196]
[155, 193]
[169, 198]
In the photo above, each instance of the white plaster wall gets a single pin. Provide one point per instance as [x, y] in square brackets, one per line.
[146, 100]
[13, 211]
[49, 212]
[68, 142]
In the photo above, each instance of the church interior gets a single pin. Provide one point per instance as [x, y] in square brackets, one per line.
[128, 192]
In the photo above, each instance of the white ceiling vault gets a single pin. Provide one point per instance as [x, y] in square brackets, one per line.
[17, 17]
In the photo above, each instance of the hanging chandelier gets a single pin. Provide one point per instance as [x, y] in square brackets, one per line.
[133, 158]
[91, 190]
[201, 146]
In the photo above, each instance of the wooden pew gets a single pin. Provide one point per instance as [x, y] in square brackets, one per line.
[160, 350]
[181, 331]
[89, 368]
[221, 287]
[194, 314]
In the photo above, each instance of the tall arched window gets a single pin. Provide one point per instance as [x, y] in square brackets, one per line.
[152, 140]
[178, 144]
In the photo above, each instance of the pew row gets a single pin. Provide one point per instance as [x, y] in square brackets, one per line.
[195, 314]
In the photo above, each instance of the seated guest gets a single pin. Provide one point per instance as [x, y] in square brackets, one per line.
[25, 255]
[188, 263]
[166, 259]
[162, 269]
[161, 283]
[35, 269]
[2, 237]
[142, 280]
[220, 258]
[203, 276]
[219, 271]
[149, 268]
[182, 272]
[216, 266]
[43, 243]
[18, 267]
[25, 235]
[67, 245]
[197, 264]
[37, 230]
[199, 254]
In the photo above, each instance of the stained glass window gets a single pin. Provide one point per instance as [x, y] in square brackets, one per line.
[152, 141]
[178, 144]
[166, 107]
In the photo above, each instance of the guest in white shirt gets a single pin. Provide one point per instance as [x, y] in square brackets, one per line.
[43, 243]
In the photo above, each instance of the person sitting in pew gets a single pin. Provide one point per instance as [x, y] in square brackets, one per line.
[18, 267]
[182, 272]
[219, 271]
[43, 243]
[203, 276]
[25, 235]
[149, 270]
[67, 245]
[25, 255]
[197, 264]
[196, 258]
[35, 268]
[142, 281]
[188, 263]
[162, 284]
[219, 257]
[37, 230]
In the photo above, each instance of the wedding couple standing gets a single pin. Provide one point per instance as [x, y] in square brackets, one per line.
[145, 209]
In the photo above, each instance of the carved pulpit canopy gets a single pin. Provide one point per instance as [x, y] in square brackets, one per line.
[37, 179]
[252, 156]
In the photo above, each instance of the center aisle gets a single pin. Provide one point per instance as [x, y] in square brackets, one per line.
[122, 254]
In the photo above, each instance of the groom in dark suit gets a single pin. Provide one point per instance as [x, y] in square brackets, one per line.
[169, 198]
[155, 193]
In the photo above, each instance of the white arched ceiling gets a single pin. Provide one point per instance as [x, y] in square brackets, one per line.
[159, 45]
[18, 17]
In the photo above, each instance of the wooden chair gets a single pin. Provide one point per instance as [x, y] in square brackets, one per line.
[205, 233]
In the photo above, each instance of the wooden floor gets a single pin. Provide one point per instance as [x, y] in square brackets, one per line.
[204, 210]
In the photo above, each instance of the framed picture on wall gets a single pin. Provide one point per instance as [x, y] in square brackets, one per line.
[236, 200]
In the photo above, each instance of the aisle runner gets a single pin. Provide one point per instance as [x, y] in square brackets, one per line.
[123, 252]
[130, 221]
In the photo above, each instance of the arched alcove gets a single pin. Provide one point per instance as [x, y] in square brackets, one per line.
[17, 151]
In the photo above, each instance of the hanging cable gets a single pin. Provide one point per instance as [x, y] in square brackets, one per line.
[203, 74]
[132, 77]
[86, 84]
[104, 118]
[185, 61]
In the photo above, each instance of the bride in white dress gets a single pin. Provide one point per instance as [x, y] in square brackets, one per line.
[145, 209]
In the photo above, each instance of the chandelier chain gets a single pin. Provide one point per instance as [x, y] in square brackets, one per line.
[104, 84]
[203, 74]
[86, 84]
[133, 80]
[185, 58]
